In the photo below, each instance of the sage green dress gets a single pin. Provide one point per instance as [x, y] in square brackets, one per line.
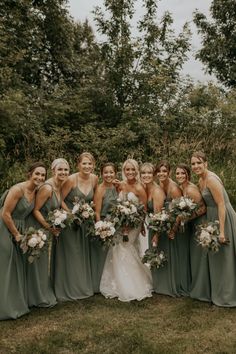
[199, 264]
[98, 252]
[183, 249]
[13, 295]
[167, 279]
[221, 268]
[72, 274]
[39, 284]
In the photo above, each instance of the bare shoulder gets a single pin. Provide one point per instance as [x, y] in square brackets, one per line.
[16, 191]
[174, 188]
[94, 179]
[139, 187]
[193, 192]
[100, 189]
[213, 180]
[71, 180]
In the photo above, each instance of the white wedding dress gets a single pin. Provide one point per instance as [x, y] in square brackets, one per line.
[124, 275]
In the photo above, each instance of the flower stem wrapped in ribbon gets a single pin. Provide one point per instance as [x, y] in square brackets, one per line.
[33, 242]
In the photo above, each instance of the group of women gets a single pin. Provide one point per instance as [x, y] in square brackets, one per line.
[75, 267]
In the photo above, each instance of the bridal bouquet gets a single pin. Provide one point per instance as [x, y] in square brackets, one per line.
[59, 218]
[208, 236]
[105, 231]
[183, 207]
[154, 258]
[160, 222]
[127, 214]
[33, 242]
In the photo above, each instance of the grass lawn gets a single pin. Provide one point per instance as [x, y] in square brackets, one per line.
[96, 325]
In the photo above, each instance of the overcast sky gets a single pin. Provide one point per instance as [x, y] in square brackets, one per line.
[181, 11]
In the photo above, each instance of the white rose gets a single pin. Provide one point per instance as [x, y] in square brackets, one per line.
[75, 208]
[133, 209]
[210, 229]
[44, 237]
[85, 214]
[41, 244]
[63, 215]
[57, 213]
[57, 221]
[126, 211]
[131, 196]
[32, 242]
[182, 204]
[98, 224]
[40, 233]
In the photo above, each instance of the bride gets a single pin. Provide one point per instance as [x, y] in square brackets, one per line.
[124, 275]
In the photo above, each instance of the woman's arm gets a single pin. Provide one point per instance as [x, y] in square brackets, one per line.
[194, 193]
[44, 193]
[142, 195]
[98, 198]
[14, 195]
[175, 191]
[216, 190]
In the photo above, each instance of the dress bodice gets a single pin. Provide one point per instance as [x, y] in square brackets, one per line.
[77, 193]
[167, 202]
[51, 204]
[150, 207]
[209, 200]
[109, 199]
[23, 209]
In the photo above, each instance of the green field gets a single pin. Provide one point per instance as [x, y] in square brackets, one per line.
[97, 325]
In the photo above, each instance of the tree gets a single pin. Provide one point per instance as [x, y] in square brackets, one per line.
[218, 50]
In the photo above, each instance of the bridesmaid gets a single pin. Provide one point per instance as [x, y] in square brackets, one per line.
[167, 280]
[104, 199]
[220, 271]
[18, 204]
[72, 262]
[48, 198]
[191, 253]
[155, 194]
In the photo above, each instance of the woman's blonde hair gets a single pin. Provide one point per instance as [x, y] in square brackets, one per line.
[147, 165]
[57, 162]
[135, 165]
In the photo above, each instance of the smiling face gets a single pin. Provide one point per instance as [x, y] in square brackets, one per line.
[146, 174]
[61, 171]
[130, 171]
[163, 173]
[198, 165]
[181, 175]
[108, 174]
[86, 165]
[38, 176]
